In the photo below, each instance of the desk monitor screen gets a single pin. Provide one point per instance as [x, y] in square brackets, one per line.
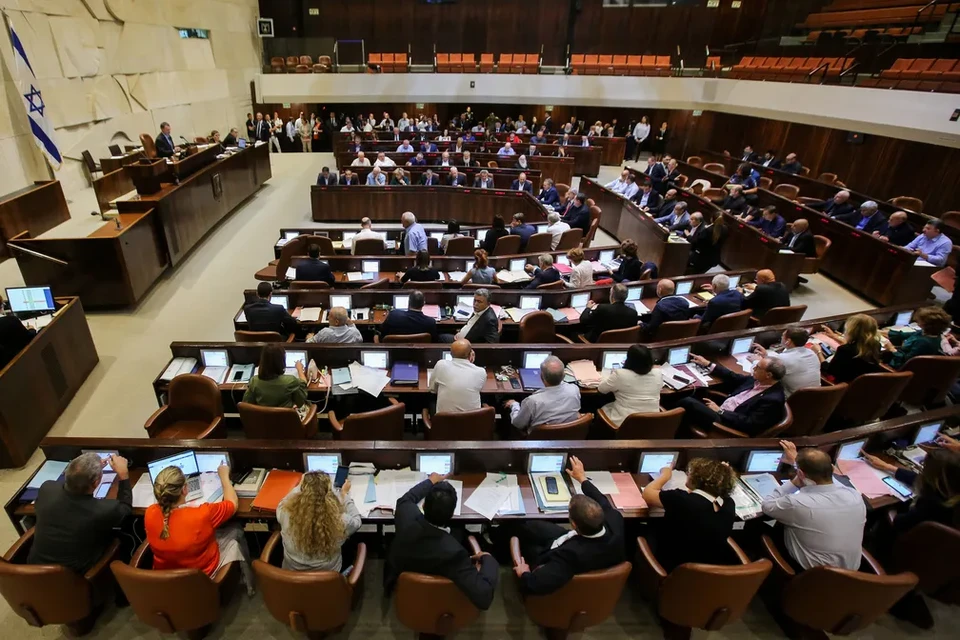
[290, 235]
[533, 359]
[541, 228]
[348, 236]
[280, 300]
[683, 288]
[734, 282]
[740, 346]
[605, 256]
[340, 301]
[370, 266]
[579, 300]
[653, 461]
[850, 450]
[210, 461]
[465, 300]
[441, 463]
[104, 455]
[401, 302]
[530, 302]
[438, 235]
[186, 462]
[564, 260]
[678, 355]
[903, 319]
[292, 357]
[546, 462]
[374, 359]
[614, 359]
[447, 355]
[214, 357]
[327, 463]
[634, 293]
[927, 433]
[763, 461]
[26, 299]
[517, 264]
[481, 234]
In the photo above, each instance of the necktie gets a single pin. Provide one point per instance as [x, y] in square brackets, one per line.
[792, 240]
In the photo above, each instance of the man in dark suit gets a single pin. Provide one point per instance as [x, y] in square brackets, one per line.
[231, 138]
[868, 220]
[646, 198]
[667, 204]
[769, 160]
[261, 130]
[725, 300]
[483, 181]
[14, 337]
[799, 239]
[164, 142]
[429, 178]
[409, 321]
[549, 197]
[482, 326]
[897, 230]
[457, 179]
[417, 161]
[838, 205]
[548, 123]
[423, 544]
[734, 202]
[578, 215]
[657, 173]
[669, 308]
[673, 172]
[520, 228]
[749, 155]
[522, 184]
[327, 179]
[313, 269]
[427, 146]
[556, 555]
[544, 274]
[792, 164]
[755, 402]
[597, 318]
[263, 316]
[766, 294]
[349, 178]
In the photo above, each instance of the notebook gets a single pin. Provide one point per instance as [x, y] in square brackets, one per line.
[405, 373]
[275, 488]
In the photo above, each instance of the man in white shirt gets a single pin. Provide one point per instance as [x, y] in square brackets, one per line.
[557, 403]
[458, 382]
[347, 127]
[387, 123]
[384, 161]
[360, 160]
[556, 227]
[618, 185]
[405, 147]
[404, 123]
[366, 232]
[376, 178]
[802, 364]
[822, 520]
[631, 189]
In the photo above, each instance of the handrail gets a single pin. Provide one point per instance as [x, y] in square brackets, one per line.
[916, 18]
[37, 254]
[852, 67]
[822, 66]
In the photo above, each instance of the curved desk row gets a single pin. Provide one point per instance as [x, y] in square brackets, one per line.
[562, 170]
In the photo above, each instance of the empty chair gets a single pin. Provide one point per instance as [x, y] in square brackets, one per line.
[812, 408]
[869, 397]
[537, 243]
[714, 195]
[308, 284]
[486, 62]
[507, 245]
[676, 330]
[922, 551]
[277, 423]
[642, 426]
[492, 164]
[382, 283]
[932, 378]
[731, 322]
[570, 239]
[789, 191]
[695, 161]
[90, 164]
[312, 602]
[380, 424]
[715, 167]
[538, 327]
[576, 430]
[605, 62]
[369, 247]
[829, 178]
[505, 63]
[306, 60]
[908, 203]
[616, 336]
[635, 65]
[478, 424]
[460, 246]
[115, 150]
[782, 315]
[258, 336]
[561, 189]
[812, 265]
[292, 62]
[765, 182]
[194, 410]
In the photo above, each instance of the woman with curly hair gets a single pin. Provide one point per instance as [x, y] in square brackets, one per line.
[698, 519]
[315, 523]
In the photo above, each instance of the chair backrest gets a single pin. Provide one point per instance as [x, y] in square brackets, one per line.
[731, 322]
[309, 284]
[149, 146]
[115, 150]
[382, 283]
[871, 395]
[576, 430]
[432, 605]
[781, 427]
[460, 246]
[537, 327]
[556, 284]
[715, 167]
[195, 395]
[478, 424]
[823, 245]
[922, 550]
[561, 188]
[951, 218]
[369, 247]
[932, 378]
[695, 161]
[507, 245]
[429, 284]
[708, 596]
[305, 601]
[714, 194]
[492, 164]
[908, 202]
[537, 243]
[591, 233]
[790, 191]
[324, 243]
[620, 336]
[651, 426]
[381, 424]
[677, 329]
[88, 161]
[271, 423]
[827, 177]
[812, 407]
[587, 600]
[257, 336]
[765, 182]
[295, 247]
[407, 338]
[570, 239]
[783, 315]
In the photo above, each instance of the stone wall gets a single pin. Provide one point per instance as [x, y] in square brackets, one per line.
[110, 70]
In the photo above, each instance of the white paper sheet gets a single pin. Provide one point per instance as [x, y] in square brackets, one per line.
[291, 273]
[487, 498]
[143, 492]
[456, 276]
[602, 480]
[369, 380]
[310, 314]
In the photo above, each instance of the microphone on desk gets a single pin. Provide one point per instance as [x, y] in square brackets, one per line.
[184, 140]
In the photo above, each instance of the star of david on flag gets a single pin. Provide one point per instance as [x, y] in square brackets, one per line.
[40, 125]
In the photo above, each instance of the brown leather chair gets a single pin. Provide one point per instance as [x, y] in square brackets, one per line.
[295, 247]
[715, 167]
[829, 599]
[260, 336]
[587, 600]
[714, 194]
[951, 219]
[380, 424]
[539, 243]
[507, 245]
[175, 600]
[695, 161]
[730, 322]
[616, 336]
[194, 411]
[701, 596]
[492, 164]
[908, 203]
[676, 330]
[311, 602]
[478, 424]
[426, 284]
[788, 191]
[561, 189]
[812, 408]
[765, 182]
[538, 327]
[324, 243]
[382, 283]
[576, 430]
[922, 551]
[570, 239]
[309, 284]
[812, 265]
[780, 315]
[662, 425]
[369, 247]
[591, 233]
[90, 164]
[409, 338]
[932, 378]
[829, 178]
[460, 247]
[718, 430]
[431, 606]
[474, 286]
[868, 398]
[277, 423]
[115, 150]
[556, 285]
[149, 146]
[45, 594]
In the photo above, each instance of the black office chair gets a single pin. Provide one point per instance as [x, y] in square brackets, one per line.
[90, 163]
[115, 150]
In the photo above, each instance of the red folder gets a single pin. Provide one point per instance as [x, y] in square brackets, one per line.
[275, 488]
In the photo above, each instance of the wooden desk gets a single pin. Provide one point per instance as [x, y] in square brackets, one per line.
[38, 384]
[111, 186]
[34, 209]
[114, 163]
[561, 170]
[503, 177]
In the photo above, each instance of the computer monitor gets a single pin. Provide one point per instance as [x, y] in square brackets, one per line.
[530, 302]
[541, 228]
[215, 357]
[447, 355]
[579, 300]
[653, 461]
[634, 293]
[348, 236]
[291, 358]
[606, 256]
[734, 281]
[740, 346]
[614, 359]
[401, 302]
[927, 433]
[517, 264]
[683, 288]
[437, 234]
[465, 300]
[850, 450]
[678, 355]
[903, 318]
[763, 461]
[185, 461]
[430, 462]
[546, 462]
[370, 266]
[533, 359]
[290, 235]
[28, 299]
[210, 461]
[340, 301]
[481, 234]
[280, 300]
[564, 260]
[104, 455]
[374, 359]
[324, 462]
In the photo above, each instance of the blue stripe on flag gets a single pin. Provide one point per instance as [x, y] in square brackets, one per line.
[19, 49]
[48, 144]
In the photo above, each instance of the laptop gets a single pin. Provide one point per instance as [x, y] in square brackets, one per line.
[481, 235]
[405, 373]
[280, 300]
[541, 228]
[216, 362]
[290, 235]
[344, 301]
[348, 238]
[564, 260]
[374, 359]
[634, 294]
[850, 450]
[30, 299]
[579, 301]
[242, 143]
[613, 360]
[401, 302]
[902, 320]
[530, 373]
[370, 269]
[530, 302]
[684, 288]
[517, 264]
[734, 282]
[290, 361]
[187, 463]
[740, 346]
[430, 462]
[652, 461]
[763, 461]
[606, 257]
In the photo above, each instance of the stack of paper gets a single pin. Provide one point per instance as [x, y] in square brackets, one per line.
[599, 268]
[641, 306]
[355, 276]
[431, 311]
[745, 362]
[456, 276]
[310, 314]
[143, 492]
[517, 314]
[865, 479]
[585, 372]
[761, 485]
[512, 276]
[746, 505]
[571, 313]
[628, 495]
[491, 495]
[550, 503]
[366, 379]
[497, 309]
[391, 484]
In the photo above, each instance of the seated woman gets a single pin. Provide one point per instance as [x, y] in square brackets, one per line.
[482, 272]
[635, 386]
[497, 231]
[933, 322]
[858, 353]
[195, 537]
[399, 178]
[582, 274]
[453, 231]
[696, 520]
[315, 522]
[271, 387]
[422, 271]
[630, 265]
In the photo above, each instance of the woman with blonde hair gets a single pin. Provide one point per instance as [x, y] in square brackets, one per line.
[315, 523]
[194, 537]
[858, 353]
[582, 274]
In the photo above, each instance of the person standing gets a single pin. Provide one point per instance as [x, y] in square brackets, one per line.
[250, 134]
[276, 127]
[306, 135]
[641, 133]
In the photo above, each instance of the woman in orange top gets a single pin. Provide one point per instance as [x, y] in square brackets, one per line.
[192, 537]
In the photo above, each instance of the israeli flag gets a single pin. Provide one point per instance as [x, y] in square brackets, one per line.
[40, 124]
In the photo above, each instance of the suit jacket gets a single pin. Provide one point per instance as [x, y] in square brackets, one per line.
[261, 130]
[313, 270]
[14, 337]
[578, 218]
[766, 297]
[757, 414]
[329, 181]
[579, 554]
[408, 321]
[423, 548]
[164, 146]
[833, 209]
[605, 317]
[434, 179]
[792, 167]
[653, 200]
[543, 276]
[527, 186]
[900, 235]
[657, 174]
[354, 179]
[549, 197]
[428, 147]
[668, 309]
[804, 244]
[461, 180]
[734, 205]
[666, 208]
[263, 316]
[486, 329]
[720, 305]
[484, 184]
[876, 222]
[774, 163]
[750, 157]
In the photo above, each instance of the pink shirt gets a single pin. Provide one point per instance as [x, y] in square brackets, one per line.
[731, 403]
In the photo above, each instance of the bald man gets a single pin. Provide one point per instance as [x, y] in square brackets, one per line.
[838, 205]
[557, 403]
[799, 239]
[897, 230]
[766, 294]
[341, 329]
[669, 308]
[458, 382]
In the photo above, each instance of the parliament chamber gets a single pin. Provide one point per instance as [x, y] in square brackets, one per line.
[543, 319]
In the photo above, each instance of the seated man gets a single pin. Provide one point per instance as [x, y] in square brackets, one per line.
[755, 403]
[549, 196]
[669, 308]
[868, 220]
[545, 273]
[429, 178]
[445, 160]
[405, 147]
[837, 206]
[897, 230]
[506, 150]
[677, 220]
[556, 228]
[423, 544]
[821, 521]
[383, 161]
[577, 214]
[932, 245]
[483, 326]
[667, 203]
[484, 180]
[595, 541]
[467, 161]
[73, 528]
[376, 178]
[520, 228]
[409, 321]
[341, 329]
[366, 233]
[734, 202]
[349, 178]
[597, 318]
[427, 146]
[417, 161]
[314, 269]
[327, 179]
[799, 239]
[618, 185]
[262, 315]
[458, 382]
[802, 365]
[647, 199]
[725, 300]
[791, 164]
[631, 189]
[769, 221]
[457, 179]
[766, 294]
[360, 161]
[557, 403]
[522, 184]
